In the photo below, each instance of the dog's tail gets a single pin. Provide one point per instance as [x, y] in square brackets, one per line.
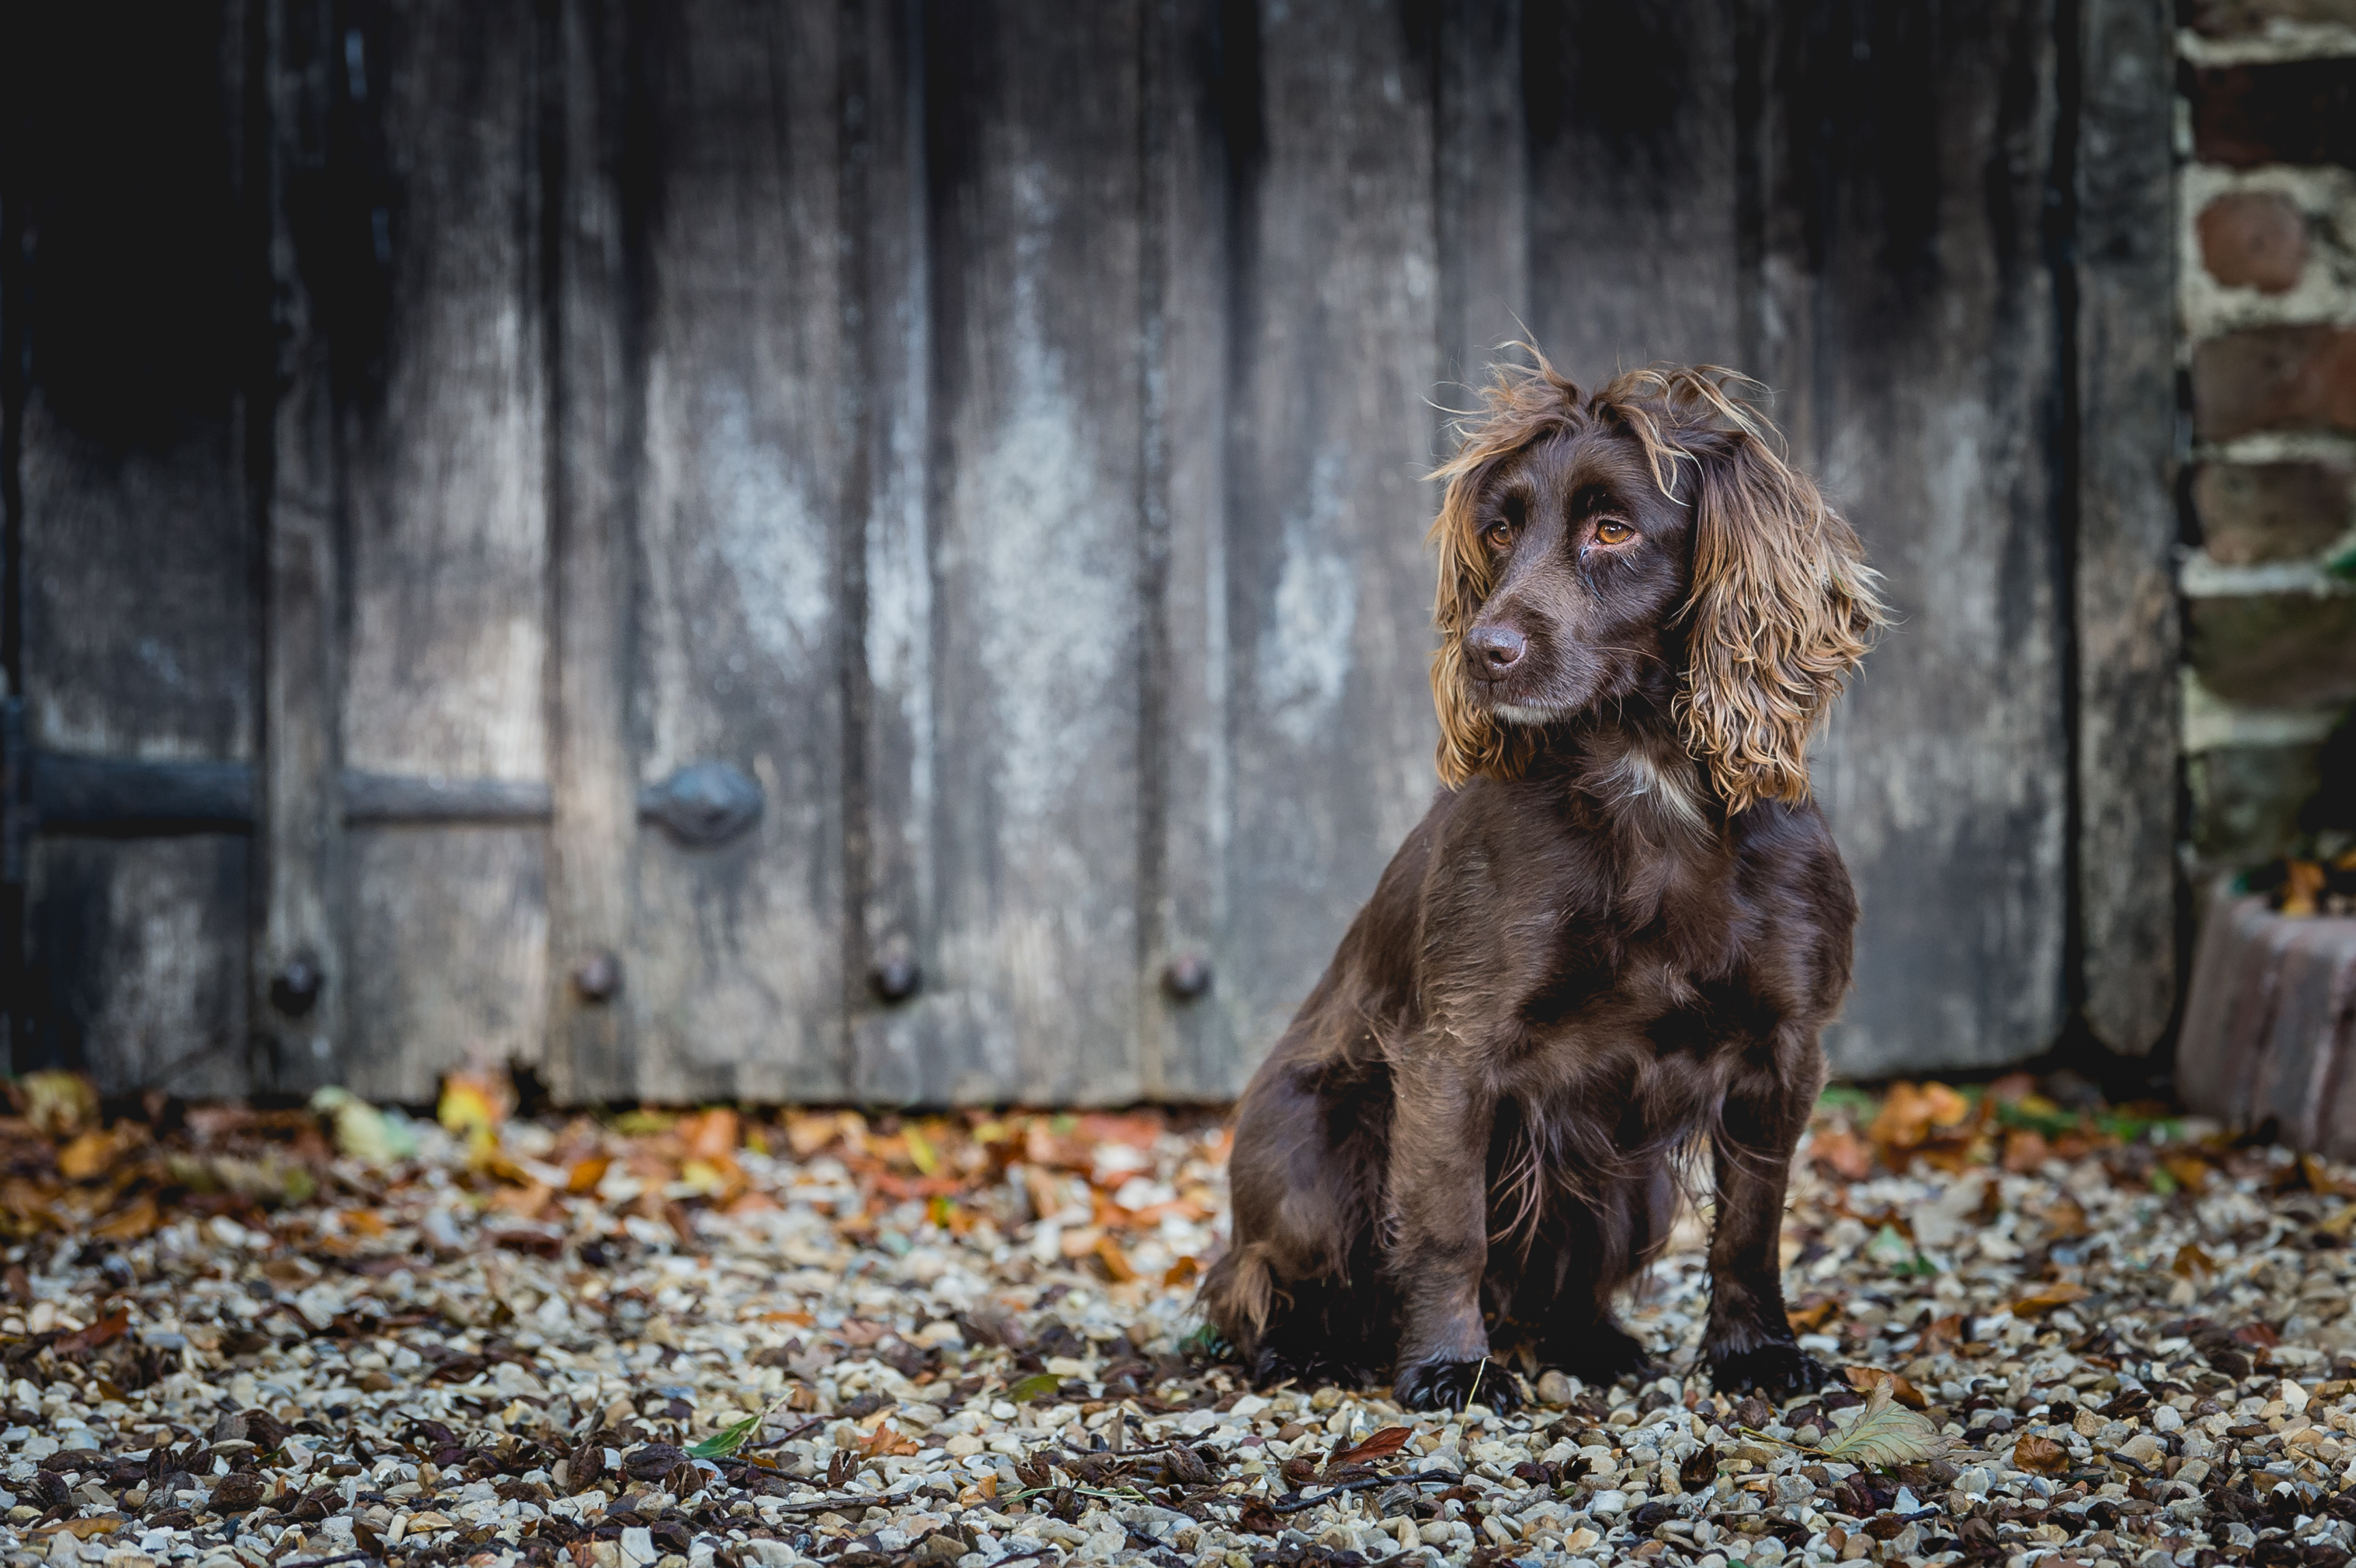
[1237, 1296]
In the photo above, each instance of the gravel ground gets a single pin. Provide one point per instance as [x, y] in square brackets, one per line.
[967, 1340]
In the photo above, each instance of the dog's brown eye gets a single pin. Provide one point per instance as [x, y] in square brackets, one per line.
[1497, 535]
[1612, 531]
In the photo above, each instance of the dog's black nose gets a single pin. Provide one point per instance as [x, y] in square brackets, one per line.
[1495, 650]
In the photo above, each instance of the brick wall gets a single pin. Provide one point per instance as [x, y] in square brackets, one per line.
[2266, 130]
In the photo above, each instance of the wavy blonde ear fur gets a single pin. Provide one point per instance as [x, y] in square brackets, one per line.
[1520, 404]
[1782, 608]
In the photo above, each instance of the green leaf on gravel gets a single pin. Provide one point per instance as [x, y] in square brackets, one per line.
[1885, 1433]
[1039, 1385]
[726, 1442]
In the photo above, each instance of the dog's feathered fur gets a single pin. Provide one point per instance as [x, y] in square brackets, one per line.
[1613, 940]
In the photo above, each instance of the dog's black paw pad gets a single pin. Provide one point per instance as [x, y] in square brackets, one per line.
[1452, 1385]
[1769, 1369]
[1603, 1356]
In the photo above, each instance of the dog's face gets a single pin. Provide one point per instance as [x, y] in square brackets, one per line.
[1646, 541]
[1588, 564]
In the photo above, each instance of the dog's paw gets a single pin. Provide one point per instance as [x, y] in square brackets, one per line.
[1769, 1369]
[1602, 1355]
[1306, 1370]
[1452, 1385]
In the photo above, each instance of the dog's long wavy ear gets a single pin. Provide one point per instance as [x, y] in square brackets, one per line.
[1522, 402]
[1782, 608]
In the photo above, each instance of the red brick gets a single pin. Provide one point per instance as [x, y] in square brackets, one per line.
[2297, 112]
[2275, 378]
[2253, 512]
[2222, 18]
[2253, 238]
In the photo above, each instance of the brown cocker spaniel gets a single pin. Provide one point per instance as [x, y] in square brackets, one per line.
[1613, 942]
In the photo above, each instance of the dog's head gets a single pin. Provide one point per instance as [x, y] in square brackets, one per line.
[1645, 543]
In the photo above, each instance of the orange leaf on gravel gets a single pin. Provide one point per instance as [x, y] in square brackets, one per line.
[1843, 1153]
[1863, 1379]
[2025, 1149]
[710, 1136]
[1911, 1113]
[2061, 1293]
[134, 1220]
[2041, 1454]
[587, 1174]
[884, 1440]
[1181, 1271]
[1376, 1448]
[1116, 1266]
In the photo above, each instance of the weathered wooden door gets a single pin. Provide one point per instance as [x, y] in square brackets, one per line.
[874, 550]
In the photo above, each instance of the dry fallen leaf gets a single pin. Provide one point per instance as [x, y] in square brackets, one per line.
[1911, 1113]
[2061, 1293]
[1887, 1433]
[886, 1440]
[1843, 1153]
[1864, 1380]
[2041, 1454]
[1376, 1448]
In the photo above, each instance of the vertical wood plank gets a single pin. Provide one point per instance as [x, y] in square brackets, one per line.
[441, 419]
[1908, 312]
[129, 298]
[738, 949]
[2126, 591]
[1329, 588]
[1030, 164]
[592, 100]
[1632, 152]
[1201, 92]
[1485, 189]
[889, 864]
[299, 831]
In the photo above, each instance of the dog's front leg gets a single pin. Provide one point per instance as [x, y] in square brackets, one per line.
[1438, 1243]
[1748, 1341]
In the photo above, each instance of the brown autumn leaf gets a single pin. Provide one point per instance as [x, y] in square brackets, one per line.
[1863, 1379]
[105, 1331]
[2063, 1220]
[2041, 1454]
[2189, 1172]
[1941, 1334]
[134, 1220]
[1373, 1449]
[1181, 1271]
[1910, 1113]
[886, 1439]
[1259, 1518]
[2257, 1336]
[2025, 1149]
[1842, 1153]
[1808, 1317]
[1114, 1261]
[2061, 1293]
[2191, 1262]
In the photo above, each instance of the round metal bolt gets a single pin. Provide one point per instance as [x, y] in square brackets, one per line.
[598, 977]
[1186, 976]
[294, 990]
[894, 978]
